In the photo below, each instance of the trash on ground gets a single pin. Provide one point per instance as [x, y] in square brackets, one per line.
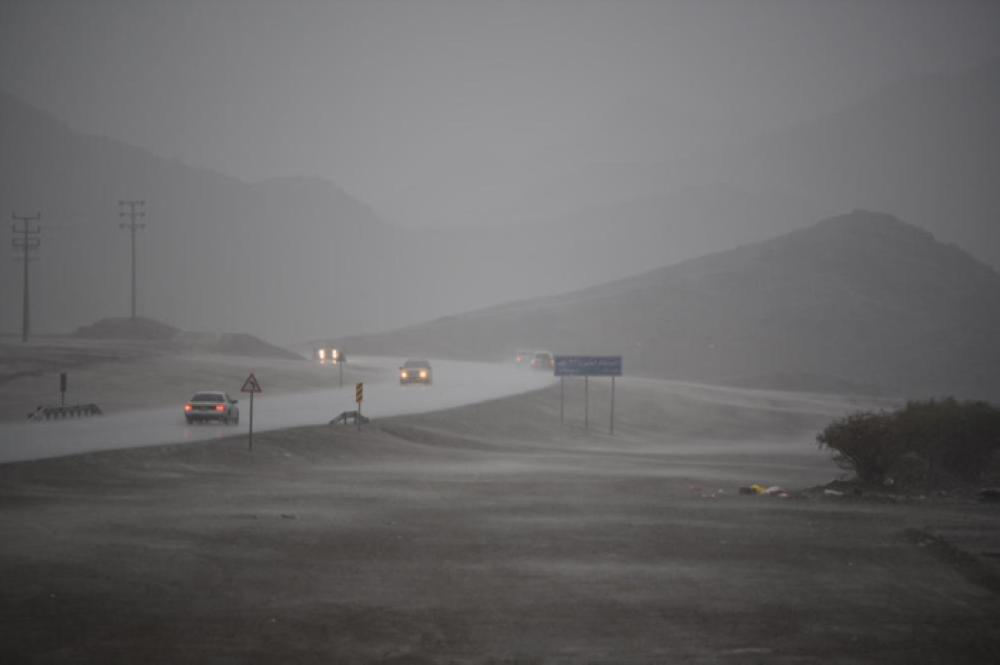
[758, 489]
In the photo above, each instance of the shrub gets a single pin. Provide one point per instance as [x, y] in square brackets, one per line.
[863, 443]
[947, 438]
[909, 472]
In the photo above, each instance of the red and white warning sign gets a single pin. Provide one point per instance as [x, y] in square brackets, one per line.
[251, 385]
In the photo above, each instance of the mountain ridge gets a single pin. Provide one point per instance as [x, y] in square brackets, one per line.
[862, 299]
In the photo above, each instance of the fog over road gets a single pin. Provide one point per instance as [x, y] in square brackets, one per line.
[455, 384]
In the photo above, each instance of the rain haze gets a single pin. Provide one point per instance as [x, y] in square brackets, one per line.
[775, 223]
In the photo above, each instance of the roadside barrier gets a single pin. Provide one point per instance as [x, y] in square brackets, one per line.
[350, 417]
[60, 412]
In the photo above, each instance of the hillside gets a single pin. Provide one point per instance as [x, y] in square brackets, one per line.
[862, 300]
[924, 149]
[214, 250]
[291, 258]
[122, 329]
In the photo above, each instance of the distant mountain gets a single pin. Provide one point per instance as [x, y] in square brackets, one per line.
[620, 238]
[217, 253]
[861, 301]
[298, 257]
[291, 259]
[926, 149]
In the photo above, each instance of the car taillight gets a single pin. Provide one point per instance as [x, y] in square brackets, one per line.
[188, 407]
[220, 407]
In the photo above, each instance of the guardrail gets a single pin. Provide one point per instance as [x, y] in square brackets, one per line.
[349, 417]
[61, 412]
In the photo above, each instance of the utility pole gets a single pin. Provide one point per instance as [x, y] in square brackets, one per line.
[28, 241]
[133, 214]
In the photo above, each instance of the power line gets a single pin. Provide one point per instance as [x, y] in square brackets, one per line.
[133, 214]
[28, 241]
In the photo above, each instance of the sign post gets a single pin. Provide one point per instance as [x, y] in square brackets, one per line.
[359, 397]
[611, 428]
[562, 400]
[62, 389]
[588, 366]
[251, 385]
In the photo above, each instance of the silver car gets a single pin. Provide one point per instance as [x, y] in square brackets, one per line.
[212, 405]
[415, 371]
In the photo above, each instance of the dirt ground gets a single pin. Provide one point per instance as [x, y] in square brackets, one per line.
[491, 534]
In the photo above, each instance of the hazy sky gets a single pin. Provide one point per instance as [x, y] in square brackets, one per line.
[436, 112]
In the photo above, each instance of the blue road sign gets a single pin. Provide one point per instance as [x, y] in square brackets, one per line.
[588, 365]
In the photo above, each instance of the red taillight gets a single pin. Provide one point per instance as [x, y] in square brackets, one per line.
[188, 407]
[220, 407]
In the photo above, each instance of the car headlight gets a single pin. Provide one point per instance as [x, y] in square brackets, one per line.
[322, 354]
[423, 374]
[404, 374]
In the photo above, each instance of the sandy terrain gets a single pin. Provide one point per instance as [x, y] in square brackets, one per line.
[491, 534]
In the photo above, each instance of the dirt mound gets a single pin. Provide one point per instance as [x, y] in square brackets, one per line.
[125, 328]
[234, 344]
[247, 345]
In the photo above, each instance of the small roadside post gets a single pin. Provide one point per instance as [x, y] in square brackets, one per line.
[611, 428]
[251, 385]
[62, 389]
[587, 366]
[359, 397]
[562, 400]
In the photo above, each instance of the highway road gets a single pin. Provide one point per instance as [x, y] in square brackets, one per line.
[455, 384]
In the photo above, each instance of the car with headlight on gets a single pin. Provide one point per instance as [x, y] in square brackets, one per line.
[329, 355]
[523, 357]
[543, 360]
[212, 405]
[415, 371]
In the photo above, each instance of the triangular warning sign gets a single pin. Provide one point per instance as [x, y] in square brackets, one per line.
[251, 385]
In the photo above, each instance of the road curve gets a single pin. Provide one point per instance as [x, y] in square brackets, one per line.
[455, 384]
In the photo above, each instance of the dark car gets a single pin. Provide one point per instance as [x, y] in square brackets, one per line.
[543, 360]
[415, 371]
[212, 405]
